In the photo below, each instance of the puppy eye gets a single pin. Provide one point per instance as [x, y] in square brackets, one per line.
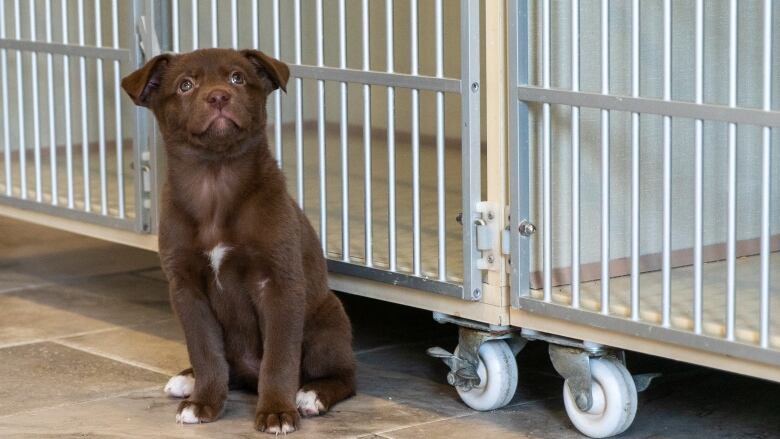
[237, 78]
[185, 86]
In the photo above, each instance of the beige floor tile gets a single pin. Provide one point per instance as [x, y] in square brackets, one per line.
[151, 414]
[61, 310]
[159, 346]
[46, 374]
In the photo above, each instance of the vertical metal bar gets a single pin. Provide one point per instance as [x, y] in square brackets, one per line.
[175, 24]
[546, 159]
[6, 128]
[119, 141]
[343, 120]
[367, 178]
[214, 24]
[277, 96]
[101, 113]
[518, 138]
[414, 49]
[20, 102]
[35, 103]
[321, 130]
[52, 124]
[731, 243]
[471, 143]
[66, 106]
[698, 171]
[298, 106]
[440, 157]
[635, 163]
[666, 301]
[575, 156]
[389, 50]
[766, 179]
[194, 24]
[255, 25]
[84, 118]
[605, 159]
[234, 24]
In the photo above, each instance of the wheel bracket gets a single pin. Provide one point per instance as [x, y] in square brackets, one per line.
[573, 365]
[463, 367]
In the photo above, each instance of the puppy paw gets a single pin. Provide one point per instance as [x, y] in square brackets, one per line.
[309, 403]
[180, 386]
[276, 422]
[191, 412]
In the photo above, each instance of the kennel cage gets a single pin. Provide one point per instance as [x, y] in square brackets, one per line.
[642, 157]
[452, 156]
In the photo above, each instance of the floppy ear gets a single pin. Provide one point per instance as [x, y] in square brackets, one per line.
[142, 83]
[275, 70]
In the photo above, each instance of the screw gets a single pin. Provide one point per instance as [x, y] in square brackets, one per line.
[490, 215]
[459, 218]
[527, 228]
[475, 87]
[491, 259]
[476, 294]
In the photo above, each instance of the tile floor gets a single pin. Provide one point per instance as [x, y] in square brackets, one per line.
[87, 340]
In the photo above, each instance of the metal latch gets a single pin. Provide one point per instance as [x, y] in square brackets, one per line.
[488, 233]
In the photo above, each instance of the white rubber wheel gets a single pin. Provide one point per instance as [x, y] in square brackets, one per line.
[614, 400]
[498, 377]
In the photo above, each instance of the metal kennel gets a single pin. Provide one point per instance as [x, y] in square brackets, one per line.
[595, 174]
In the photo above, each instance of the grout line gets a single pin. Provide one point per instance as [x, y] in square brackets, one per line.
[25, 287]
[433, 421]
[79, 334]
[87, 401]
[113, 357]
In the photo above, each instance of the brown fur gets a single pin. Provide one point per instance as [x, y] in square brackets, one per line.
[268, 320]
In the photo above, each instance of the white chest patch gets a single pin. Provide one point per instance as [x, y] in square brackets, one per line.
[216, 256]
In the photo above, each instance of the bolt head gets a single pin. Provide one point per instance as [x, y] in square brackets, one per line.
[475, 87]
[451, 379]
[527, 228]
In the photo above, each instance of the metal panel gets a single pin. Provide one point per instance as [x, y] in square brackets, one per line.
[43, 122]
[376, 217]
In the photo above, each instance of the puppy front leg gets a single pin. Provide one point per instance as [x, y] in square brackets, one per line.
[281, 306]
[203, 335]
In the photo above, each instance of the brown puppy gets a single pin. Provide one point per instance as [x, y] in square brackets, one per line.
[248, 280]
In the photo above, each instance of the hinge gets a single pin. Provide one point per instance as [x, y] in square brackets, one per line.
[488, 235]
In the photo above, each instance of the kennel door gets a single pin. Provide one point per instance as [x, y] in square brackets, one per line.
[641, 152]
[379, 131]
[71, 146]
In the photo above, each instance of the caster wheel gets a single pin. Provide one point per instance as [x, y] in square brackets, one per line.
[614, 400]
[498, 377]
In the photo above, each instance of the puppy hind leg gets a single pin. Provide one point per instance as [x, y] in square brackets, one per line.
[181, 384]
[318, 396]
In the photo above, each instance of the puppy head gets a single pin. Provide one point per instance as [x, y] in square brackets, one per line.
[210, 99]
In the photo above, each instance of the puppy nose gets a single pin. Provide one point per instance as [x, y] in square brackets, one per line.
[218, 98]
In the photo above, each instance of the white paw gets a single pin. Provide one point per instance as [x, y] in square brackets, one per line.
[187, 416]
[286, 428]
[180, 386]
[308, 403]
